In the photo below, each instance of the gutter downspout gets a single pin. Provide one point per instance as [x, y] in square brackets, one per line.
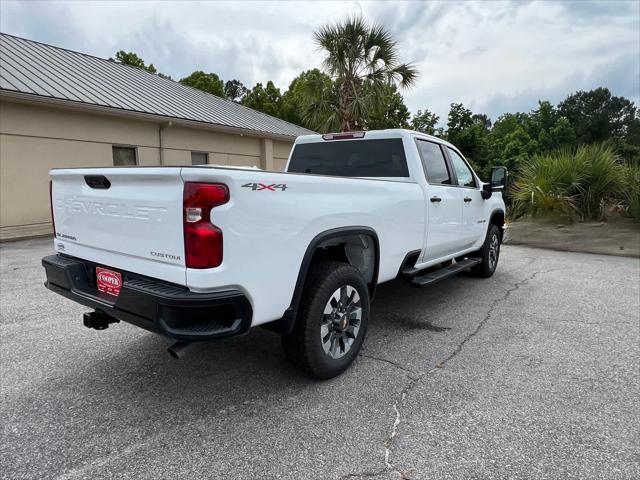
[163, 126]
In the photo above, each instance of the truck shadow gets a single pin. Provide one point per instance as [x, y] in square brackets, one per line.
[396, 307]
[135, 376]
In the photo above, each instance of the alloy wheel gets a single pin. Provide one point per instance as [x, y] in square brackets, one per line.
[341, 321]
[494, 250]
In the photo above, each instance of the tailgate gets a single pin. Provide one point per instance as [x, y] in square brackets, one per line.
[126, 218]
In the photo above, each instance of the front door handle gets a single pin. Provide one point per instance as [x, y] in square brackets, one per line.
[467, 199]
[435, 199]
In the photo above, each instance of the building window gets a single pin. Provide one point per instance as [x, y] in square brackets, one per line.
[199, 158]
[124, 156]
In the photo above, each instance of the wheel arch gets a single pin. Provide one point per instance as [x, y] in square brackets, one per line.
[497, 218]
[333, 244]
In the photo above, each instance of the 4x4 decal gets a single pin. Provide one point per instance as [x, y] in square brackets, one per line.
[262, 186]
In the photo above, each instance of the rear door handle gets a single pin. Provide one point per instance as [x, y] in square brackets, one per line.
[467, 199]
[435, 199]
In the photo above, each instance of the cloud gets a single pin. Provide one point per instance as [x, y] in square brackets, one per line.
[492, 56]
[505, 58]
[594, 12]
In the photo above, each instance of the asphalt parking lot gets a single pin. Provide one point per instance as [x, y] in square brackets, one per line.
[533, 373]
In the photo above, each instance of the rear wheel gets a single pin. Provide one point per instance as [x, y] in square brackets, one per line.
[332, 320]
[489, 254]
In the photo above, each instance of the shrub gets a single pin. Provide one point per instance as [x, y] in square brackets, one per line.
[547, 184]
[631, 190]
[603, 182]
[570, 183]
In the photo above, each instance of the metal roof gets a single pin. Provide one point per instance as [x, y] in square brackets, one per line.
[34, 68]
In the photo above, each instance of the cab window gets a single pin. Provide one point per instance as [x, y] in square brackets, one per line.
[351, 158]
[463, 172]
[434, 163]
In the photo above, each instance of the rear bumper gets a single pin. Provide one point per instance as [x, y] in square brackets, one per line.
[161, 307]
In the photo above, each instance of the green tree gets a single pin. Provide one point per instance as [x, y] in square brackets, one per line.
[459, 119]
[235, 91]
[510, 141]
[389, 111]
[481, 120]
[516, 147]
[361, 59]
[425, 122]
[628, 147]
[265, 99]
[549, 128]
[207, 82]
[516, 136]
[132, 59]
[470, 133]
[597, 115]
[305, 91]
[562, 134]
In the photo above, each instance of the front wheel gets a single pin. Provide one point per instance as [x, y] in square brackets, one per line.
[489, 254]
[332, 320]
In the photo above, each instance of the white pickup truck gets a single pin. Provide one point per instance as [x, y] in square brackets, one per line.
[202, 252]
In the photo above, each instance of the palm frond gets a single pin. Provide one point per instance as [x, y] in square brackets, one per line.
[405, 75]
[359, 56]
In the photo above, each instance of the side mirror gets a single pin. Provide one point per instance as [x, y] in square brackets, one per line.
[498, 182]
[498, 179]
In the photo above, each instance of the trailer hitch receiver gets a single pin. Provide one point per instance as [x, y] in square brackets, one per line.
[98, 320]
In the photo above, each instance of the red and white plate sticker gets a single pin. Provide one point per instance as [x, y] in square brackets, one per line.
[108, 281]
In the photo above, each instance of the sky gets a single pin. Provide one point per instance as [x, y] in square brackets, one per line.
[492, 56]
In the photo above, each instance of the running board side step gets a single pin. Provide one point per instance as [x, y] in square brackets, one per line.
[446, 272]
[410, 271]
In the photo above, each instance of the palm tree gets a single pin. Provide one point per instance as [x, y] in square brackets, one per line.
[362, 60]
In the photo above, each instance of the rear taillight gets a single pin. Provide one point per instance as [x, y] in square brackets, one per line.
[202, 239]
[53, 220]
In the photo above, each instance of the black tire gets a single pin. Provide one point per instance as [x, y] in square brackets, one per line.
[489, 253]
[305, 346]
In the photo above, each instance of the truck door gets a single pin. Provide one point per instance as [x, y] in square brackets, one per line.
[443, 203]
[474, 220]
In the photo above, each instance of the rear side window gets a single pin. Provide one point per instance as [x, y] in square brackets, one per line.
[435, 165]
[351, 158]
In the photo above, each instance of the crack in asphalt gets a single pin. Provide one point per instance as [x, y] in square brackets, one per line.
[592, 324]
[372, 474]
[416, 377]
[486, 318]
[394, 431]
[81, 471]
[412, 374]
